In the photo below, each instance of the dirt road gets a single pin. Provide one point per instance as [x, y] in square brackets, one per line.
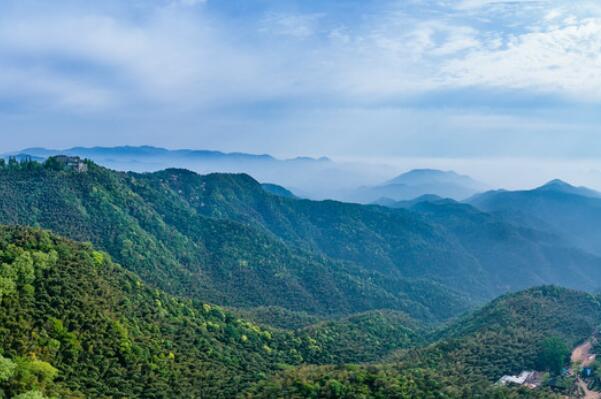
[587, 393]
[582, 354]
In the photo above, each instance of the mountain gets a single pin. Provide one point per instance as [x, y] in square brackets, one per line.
[75, 324]
[317, 178]
[180, 232]
[419, 182]
[390, 203]
[570, 212]
[463, 360]
[141, 153]
[222, 239]
[505, 336]
[560, 186]
[493, 255]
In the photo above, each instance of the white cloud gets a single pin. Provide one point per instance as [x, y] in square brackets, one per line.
[565, 60]
[52, 90]
[188, 58]
[169, 57]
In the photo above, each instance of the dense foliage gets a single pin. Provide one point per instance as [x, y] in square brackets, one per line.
[505, 337]
[571, 212]
[155, 228]
[382, 382]
[553, 356]
[508, 335]
[360, 338]
[224, 239]
[71, 316]
[342, 283]
[277, 317]
[74, 323]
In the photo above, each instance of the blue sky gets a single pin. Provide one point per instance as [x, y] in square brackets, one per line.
[360, 79]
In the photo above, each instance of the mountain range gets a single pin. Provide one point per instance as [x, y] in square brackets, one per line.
[567, 211]
[316, 178]
[419, 182]
[174, 284]
[223, 239]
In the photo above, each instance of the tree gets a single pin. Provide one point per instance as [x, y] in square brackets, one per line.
[30, 395]
[7, 369]
[553, 355]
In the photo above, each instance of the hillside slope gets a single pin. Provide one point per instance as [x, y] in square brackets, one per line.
[147, 224]
[109, 335]
[223, 239]
[464, 360]
[453, 244]
[572, 212]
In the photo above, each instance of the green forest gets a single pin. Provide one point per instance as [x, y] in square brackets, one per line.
[176, 285]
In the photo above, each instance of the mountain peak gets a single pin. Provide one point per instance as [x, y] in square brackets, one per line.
[430, 176]
[425, 172]
[557, 185]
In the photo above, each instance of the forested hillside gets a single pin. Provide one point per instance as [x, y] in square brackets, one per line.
[453, 244]
[73, 323]
[507, 336]
[223, 239]
[153, 230]
[572, 212]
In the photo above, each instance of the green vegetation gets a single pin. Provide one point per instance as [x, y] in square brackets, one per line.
[508, 335]
[166, 228]
[277, 317]
[554, 355]
[73, 323]
[382, 382]
[465, 359]
[360, 338]
[324, 299]
[223, 239]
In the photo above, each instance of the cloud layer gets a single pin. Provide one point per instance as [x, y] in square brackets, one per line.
[262, 75]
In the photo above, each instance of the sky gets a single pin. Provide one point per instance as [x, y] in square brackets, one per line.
[466, 82]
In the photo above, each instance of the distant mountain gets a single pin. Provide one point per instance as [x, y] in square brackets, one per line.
[222, 239]
[22, 156]
[316, 178]
[107, 154]
[560, 186]
[409, 203]
[571, 212]
[419, 182]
